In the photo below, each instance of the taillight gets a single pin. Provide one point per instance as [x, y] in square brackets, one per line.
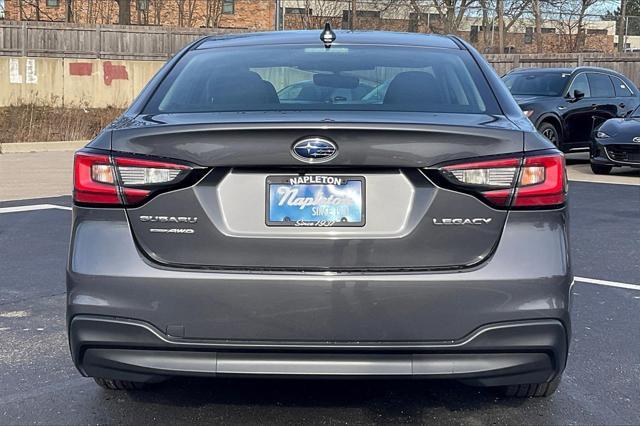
[542, 182]
[94, 180]
[112, 180]
[492, 179]
[537, 181]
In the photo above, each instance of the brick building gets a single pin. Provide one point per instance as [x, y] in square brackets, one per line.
[260, 15]
[237, 14]
[558, 36]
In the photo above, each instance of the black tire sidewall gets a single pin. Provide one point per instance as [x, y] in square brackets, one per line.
[543, 126]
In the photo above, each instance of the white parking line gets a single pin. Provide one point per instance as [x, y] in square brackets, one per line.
[581, 179]
[608, 283]
[577, 279]
[33, 207]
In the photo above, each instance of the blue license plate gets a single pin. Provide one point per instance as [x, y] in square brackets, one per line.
[315, 201]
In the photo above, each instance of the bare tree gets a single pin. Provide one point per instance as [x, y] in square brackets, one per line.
[580, 36]
[91, 12]
[96, 11]
[33, 10]
[621, 25]
[36, 5]
[510, 13]
[158, 6]
[537, 16]
[500, 13]
[212, 14]
[186, 8]
[180, 5]
[142, 11]
[514, 10]
[353, 15]
[314, 13]
[191, 7]
[124, 12]
[451, 13]
[90, 15]
[69, 11]
[570, 21]
[484, 5]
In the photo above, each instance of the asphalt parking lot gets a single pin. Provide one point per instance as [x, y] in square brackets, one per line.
[39, 384]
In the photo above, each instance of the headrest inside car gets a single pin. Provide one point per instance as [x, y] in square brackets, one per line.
[413, 88]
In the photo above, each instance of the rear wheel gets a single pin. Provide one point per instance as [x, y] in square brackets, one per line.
[550, 132]
[119, 384]
[601, 169]
[533, 389]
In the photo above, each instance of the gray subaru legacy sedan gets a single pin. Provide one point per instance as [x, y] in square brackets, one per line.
[395, 216]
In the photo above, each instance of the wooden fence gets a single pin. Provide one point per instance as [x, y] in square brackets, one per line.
[625, 63]
[36, 39]
[95, 41]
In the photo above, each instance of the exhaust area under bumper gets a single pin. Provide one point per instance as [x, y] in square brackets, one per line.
[493, 355]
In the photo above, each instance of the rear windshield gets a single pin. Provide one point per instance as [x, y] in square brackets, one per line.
[536, 83]
[300, 77]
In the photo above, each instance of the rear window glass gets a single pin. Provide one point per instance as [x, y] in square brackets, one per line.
[300, 77]
[536, 83]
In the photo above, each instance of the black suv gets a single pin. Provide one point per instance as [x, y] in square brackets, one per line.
[567, 104]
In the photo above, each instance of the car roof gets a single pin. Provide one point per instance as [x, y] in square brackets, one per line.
[342, 37]
[530, 70]
[563, 70]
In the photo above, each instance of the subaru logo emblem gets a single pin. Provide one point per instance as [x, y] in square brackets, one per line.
[314, 150]
[636, 139]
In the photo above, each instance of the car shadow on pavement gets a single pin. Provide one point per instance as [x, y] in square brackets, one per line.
[571, 161]
[388, 400]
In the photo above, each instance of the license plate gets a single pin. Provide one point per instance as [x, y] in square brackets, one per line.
[315, 201]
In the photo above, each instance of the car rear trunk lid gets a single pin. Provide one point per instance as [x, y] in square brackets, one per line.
[407, 221]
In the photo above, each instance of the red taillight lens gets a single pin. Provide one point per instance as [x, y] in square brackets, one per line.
[101, 179]
[90, 173]
[537, 181]
[542, 182]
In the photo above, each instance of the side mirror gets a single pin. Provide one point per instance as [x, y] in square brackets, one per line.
[577, 95]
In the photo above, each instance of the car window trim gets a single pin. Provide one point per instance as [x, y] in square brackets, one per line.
[566, 92]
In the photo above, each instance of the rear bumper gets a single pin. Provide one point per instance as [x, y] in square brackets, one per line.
[493, 355]
[505, 321]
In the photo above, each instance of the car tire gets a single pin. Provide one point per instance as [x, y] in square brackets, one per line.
[533, 389]
[119, 384]
[550, 132]
[601, 169]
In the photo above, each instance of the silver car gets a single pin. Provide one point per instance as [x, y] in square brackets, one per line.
[220, 232]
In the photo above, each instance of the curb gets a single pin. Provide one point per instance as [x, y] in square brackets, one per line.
[22, 147]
